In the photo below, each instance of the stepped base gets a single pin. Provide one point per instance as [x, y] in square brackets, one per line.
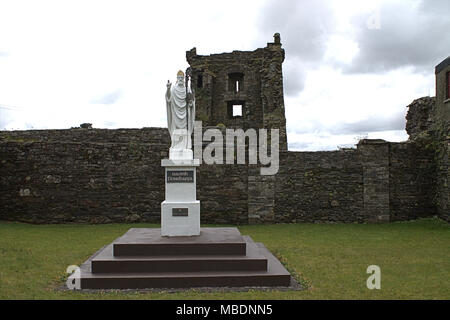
[105, 262]
[256, 266]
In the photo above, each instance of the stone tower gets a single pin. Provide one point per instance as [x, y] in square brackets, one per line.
[241, 89]
[441, 132]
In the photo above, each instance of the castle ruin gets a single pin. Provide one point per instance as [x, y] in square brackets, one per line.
[88, 175]
[241, 89]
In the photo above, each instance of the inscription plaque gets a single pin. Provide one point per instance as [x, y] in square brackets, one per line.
[179, 212]
[180, 176]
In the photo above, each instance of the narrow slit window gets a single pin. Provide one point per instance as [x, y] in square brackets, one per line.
[200, 81]
[235, 82]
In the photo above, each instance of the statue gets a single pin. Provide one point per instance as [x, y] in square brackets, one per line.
[180, 103]
[180, 212]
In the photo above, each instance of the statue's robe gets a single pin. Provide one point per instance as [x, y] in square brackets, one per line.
[180, 119]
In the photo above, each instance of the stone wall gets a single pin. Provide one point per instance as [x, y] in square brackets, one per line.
[418, 117]
[319, 187]
[443, 176]
[412, 176]
[428, 126]
[222, 191]
[56, 182]
[375, 162]
[91, 180]
[100, 176]
[144, 135]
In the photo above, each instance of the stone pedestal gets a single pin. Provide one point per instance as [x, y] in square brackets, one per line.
[180, 212]
[218, 257]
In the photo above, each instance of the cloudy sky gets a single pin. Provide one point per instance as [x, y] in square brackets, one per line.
[351, 66]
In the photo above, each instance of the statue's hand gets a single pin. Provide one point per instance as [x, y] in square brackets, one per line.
[169, 84]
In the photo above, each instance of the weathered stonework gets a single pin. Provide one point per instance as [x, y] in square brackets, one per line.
[260, 196]
[259, 89]
[81, 182]
[325, 186]
[153, 136]
[418, 119]
[429, 129]
[50, 181]
[412, 181]
[441, 134]
[222, 191]
[375, 161]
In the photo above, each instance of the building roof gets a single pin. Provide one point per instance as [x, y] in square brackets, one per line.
[441, 66]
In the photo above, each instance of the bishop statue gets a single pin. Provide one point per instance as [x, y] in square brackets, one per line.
[180, 103]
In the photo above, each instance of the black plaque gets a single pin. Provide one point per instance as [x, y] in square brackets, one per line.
[180, 176]
[179, 212]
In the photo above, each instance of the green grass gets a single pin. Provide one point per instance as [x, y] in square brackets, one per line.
[332, 259]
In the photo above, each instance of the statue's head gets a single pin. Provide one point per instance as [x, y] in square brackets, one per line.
[180, 78]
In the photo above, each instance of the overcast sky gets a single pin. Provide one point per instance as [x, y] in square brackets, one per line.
[351, 66]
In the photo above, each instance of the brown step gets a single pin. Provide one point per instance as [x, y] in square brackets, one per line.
[275, 275]
[105, 262]
[149, 242]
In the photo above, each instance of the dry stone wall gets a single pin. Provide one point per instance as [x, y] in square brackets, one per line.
[319, 187]
[412, 176]
[102, 176]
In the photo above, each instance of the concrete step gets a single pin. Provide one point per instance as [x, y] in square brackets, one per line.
[275, 275]
[106, 262]
[149, 242]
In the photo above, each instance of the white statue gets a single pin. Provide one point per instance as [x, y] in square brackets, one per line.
[180, 102]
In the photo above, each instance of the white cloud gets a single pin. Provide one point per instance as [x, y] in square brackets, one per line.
[334, 108]
[340, 49]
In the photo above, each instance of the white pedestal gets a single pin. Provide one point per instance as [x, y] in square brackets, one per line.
[173, 225]
[180, 212]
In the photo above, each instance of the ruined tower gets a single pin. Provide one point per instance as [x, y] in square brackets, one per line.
[241, 89]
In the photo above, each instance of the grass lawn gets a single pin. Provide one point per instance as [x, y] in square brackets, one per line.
[332, 259]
